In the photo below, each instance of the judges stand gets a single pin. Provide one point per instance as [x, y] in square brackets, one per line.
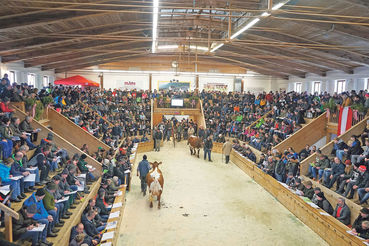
[9, 214]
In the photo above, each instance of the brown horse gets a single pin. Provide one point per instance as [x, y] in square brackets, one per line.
[155, 181]
[195, 143]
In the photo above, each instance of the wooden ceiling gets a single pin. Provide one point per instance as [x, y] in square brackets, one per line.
[304, 36]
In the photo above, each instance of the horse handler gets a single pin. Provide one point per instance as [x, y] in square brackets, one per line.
[142, 170]
[227, 148]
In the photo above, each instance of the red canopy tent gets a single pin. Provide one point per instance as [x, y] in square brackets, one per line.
[76, 80]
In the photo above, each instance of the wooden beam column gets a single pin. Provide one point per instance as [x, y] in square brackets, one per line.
[101, 76]
[197, 82]
[150, 82]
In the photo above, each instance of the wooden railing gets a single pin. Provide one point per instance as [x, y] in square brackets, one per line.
[258, 120]
[309, 134]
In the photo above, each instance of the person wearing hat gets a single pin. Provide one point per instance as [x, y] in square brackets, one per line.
[48, 139]
[22, 227]
[317, 190]
[358, 180]
[66, 189]
[323, 203]
[363, 216]
[42, 216]
[307, 190]
[55, 209]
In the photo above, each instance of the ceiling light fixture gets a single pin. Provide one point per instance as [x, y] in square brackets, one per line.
[155, 24]
[248, 26]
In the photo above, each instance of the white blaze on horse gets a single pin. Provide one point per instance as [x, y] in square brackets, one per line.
[195, 143]
[155, 181]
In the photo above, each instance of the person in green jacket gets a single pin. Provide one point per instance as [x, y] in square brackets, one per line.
[84, 169]
[307, 190]
[53, 208]
[320, 165]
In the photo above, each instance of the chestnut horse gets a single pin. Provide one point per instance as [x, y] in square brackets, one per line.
[195, 143]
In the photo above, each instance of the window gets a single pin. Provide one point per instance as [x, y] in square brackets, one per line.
[31, 79]
[12, 77]
[316, 87]
[45, 81]
[340, 86]
[298, 87]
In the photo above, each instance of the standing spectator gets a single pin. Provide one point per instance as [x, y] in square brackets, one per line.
[157, 139]
[227, 148]
[208, 145]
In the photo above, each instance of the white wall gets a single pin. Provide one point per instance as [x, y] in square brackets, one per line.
[226, 80]
[355, 81]
[21, 73]
[252, 82]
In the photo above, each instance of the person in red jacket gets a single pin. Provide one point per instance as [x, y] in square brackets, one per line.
[4, 106]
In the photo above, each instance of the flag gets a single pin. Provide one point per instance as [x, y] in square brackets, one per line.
[345, 120]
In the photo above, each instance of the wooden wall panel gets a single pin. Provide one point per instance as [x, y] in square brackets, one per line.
[309, 134]
[73, 133]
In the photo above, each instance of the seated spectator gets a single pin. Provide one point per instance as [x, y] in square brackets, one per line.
[339, 147]
[39, 160]
[4, 107]
[78, 240]
[53, 208]
[23, 226]
[24, 149]
[79, 230]
[363, 216]
[17, 133]
[353, 149]
[362, 230]
[84, 169]
[42, 216]
[319, 166]
[331, 175]
[307, 190]
[360, 159]
[101, 203]
[89, 225]
[317, 190]
[17, 169]
[6, 134]
[358, 179]
[26, 126]
[323, 203]
[15, 186]
[348, 172]
[342, 211]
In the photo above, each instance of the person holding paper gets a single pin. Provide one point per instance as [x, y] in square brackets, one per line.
[362, 230]
[22, 228]
[55, 209]
[24, 149]
[59, 195]
[84, 169]
[67, 189]
[14, 125]
[5, 177]
[6, 138]
[42, 216]
[101, 204]
[17, 169]
[363, 216]
[26, 126]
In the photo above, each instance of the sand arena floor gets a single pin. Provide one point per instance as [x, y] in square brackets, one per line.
[208, 203]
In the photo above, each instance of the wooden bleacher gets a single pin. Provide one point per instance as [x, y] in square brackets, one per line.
[73, 133]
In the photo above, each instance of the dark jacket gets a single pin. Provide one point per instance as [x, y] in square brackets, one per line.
[338, 169]
[325, 205]
[100, 204]
[358, 221]
[25, 126]
[345, 214]
[90, 228]
[309, 193]
[20, 226]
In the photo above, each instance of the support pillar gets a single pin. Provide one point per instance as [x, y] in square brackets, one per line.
[197, 82]
[150, 82]
[101, 76]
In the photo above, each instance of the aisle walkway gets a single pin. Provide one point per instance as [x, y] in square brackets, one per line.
[207, 203]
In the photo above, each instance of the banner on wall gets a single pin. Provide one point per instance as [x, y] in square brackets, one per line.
[215, 87]
[174, 85]
[128, 85]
